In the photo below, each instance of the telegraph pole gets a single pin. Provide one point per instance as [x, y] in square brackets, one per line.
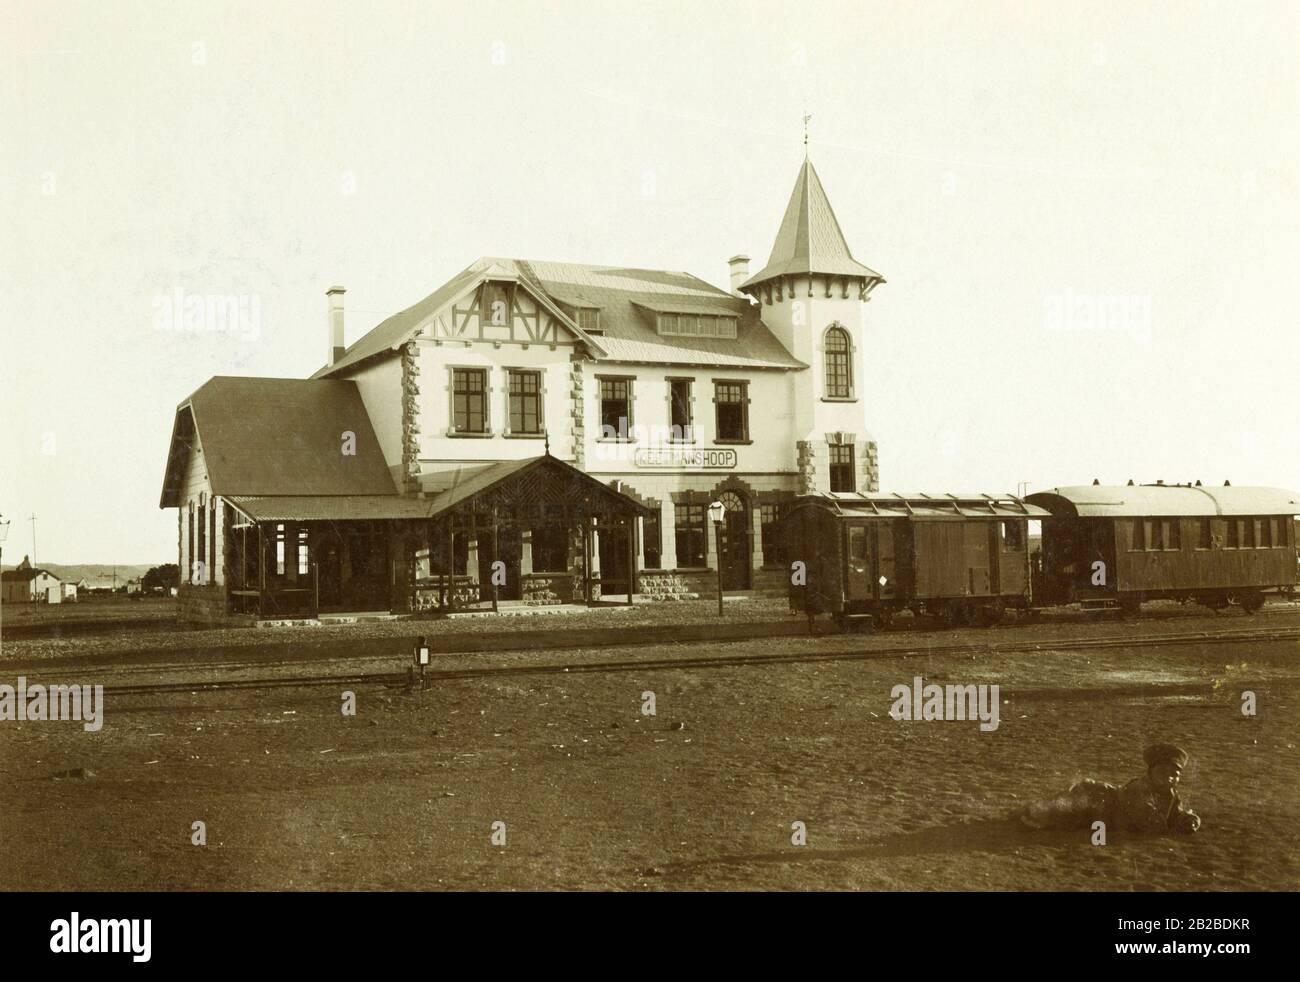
[32, 519]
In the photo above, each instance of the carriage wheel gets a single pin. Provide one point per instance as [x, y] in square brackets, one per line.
[950, 614]
[1251, 602]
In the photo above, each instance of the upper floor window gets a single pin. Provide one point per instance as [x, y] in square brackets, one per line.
[496, 305]
[615, 408]
[679, 409]
[731, 400]
[469, 400]
[839, 368]
[525, 402]
[842, 468]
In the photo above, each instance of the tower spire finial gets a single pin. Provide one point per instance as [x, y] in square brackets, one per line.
[806, 117]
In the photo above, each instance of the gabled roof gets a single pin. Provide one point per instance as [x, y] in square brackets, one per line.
[276, 436]
[1146, 500]
[627, 299]
[401, 327]
[27, 574]
[809, 239]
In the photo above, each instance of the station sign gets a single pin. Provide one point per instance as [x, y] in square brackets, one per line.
[697, 458]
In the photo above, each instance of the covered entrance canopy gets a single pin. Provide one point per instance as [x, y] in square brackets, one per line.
[517, 530]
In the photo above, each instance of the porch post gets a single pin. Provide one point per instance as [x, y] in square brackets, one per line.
[526, 553]
[667, 534]
[261, 571]
[451, 564]
[586, 558]
[632, 522]
[756, 535]
[496, 556]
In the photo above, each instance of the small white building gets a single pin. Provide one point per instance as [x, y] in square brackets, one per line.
[27, 584]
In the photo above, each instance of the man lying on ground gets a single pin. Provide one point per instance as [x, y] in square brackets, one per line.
[1146, 804]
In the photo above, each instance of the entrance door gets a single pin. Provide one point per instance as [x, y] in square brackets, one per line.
[329, 570]
[734, 546]
[613, 559]
[509, 550]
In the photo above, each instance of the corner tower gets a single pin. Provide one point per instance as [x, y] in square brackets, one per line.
[814, 295]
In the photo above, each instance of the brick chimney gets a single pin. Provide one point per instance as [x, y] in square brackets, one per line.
[335, 296]
[739, 272]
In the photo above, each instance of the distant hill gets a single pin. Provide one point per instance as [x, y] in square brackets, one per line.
[94, 574]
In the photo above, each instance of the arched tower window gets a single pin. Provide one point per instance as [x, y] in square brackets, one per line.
[839, 366]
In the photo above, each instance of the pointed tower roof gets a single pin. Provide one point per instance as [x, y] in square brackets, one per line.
[810, 240]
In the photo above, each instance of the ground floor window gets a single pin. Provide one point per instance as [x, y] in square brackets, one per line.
[651, 541]
[690, 535]
[773, 548]
[842, 468]
[550, 549]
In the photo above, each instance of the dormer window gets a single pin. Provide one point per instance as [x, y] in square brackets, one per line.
[691, 325]
[589, 319]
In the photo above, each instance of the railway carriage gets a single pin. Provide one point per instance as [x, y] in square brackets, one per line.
[964, 559]
[1116, 546]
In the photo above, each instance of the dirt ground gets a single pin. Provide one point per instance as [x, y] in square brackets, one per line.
[596, 795]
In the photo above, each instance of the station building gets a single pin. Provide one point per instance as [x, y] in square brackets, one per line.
[566, 425]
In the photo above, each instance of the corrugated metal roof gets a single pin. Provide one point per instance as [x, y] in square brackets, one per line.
[628, 331]
[923, 505]
[305, 507]
[1101, 500]
[280, 436]
[333, 508]
[809, 239]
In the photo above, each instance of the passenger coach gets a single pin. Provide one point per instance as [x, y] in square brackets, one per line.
[1116, 546]
[962, 559]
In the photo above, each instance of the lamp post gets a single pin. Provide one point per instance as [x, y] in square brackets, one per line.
[4, 533]
[718, 511]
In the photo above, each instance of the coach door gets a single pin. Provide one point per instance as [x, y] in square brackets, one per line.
[858, 581]
[882, 566]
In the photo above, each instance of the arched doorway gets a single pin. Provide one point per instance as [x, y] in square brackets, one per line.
[734, 542]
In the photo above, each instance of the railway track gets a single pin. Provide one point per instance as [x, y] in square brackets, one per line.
[710, 662]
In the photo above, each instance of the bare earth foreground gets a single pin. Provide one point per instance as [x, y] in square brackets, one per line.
[595, 795]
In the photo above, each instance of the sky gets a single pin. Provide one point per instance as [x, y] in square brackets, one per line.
[1087, 214]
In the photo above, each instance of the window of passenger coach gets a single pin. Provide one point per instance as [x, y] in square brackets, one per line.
[1204, 534]
[1013, 536]
[469, 400]
[615, 408]
[690, 535]
[525, 402]
[839, 369]
[731, 401]
[842, 468]
[1234, 533]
